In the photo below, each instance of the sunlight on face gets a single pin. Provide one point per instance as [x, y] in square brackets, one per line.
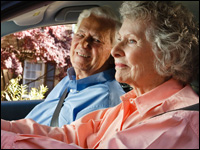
[91, 45]
[134, 59]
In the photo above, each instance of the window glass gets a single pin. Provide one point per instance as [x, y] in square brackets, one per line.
[39, 55]
[32, 71]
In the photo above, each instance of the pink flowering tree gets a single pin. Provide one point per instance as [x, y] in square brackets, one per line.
[49, 44]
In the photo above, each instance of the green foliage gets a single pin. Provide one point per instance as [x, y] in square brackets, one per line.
[15, 92]
[38, 93]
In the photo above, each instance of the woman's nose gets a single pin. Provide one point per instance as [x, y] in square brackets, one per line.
[117, 51]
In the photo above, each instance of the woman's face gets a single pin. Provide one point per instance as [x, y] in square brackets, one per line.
[134, 59]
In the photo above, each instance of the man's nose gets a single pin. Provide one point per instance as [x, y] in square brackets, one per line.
[84, 43]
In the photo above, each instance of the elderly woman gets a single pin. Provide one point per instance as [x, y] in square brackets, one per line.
[156, 54]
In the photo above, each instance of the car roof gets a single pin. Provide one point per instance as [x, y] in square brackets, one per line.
[22, 15]
[45, 13]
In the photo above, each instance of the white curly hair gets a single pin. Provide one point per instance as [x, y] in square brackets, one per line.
[174, 35]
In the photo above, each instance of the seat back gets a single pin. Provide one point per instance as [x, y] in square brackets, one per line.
[14, 110]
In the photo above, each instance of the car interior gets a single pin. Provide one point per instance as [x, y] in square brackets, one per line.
[22, 15]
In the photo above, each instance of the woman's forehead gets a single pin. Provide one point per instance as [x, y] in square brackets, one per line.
[135, 27]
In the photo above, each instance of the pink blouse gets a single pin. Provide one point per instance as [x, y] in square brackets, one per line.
[129, 125]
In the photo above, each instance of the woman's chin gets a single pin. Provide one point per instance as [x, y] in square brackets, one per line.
[120, 78]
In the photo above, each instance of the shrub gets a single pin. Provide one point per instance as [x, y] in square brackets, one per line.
[15, 92]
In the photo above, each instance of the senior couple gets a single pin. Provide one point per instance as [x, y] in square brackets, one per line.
[156, 52]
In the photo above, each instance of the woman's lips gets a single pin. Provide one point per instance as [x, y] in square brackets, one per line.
[120, 65]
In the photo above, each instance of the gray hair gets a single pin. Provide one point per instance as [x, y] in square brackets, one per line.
[174, 35]
[103, 12]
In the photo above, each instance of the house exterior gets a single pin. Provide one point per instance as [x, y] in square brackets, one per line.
[34, 73]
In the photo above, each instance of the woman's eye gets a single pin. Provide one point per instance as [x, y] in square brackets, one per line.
[131, 41]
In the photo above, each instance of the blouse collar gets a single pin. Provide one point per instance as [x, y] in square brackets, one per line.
[154, 97]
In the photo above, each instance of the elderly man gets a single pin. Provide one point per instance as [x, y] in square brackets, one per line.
[90, 83]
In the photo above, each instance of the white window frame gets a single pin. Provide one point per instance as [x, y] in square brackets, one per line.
[30, 77]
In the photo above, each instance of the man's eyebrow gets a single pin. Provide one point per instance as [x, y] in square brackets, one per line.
[80, 30]
[97, 35]
[93, 34]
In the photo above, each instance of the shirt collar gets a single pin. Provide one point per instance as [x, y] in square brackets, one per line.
[91, 80]
[154, 97]
[71, 73]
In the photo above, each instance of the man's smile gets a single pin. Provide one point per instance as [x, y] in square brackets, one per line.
[83, 55]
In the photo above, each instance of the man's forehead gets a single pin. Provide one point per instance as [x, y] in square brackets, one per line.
[94, 30]
[97, 23]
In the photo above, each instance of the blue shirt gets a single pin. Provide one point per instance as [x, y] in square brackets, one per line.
[95, 92]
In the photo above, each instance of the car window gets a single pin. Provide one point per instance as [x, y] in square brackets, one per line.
[40, 56]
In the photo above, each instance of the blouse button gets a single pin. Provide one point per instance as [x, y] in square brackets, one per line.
[131, 100]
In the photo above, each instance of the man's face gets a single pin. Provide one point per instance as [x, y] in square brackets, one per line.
[91, 46]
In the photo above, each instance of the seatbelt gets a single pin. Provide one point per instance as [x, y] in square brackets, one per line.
[54, 120]
[194, 107]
